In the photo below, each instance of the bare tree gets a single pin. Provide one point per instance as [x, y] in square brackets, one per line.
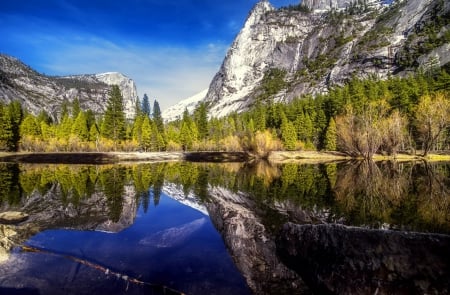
[394, 132]
[361, 133]
[432, 118]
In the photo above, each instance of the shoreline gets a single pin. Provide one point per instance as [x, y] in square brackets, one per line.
[218, 157]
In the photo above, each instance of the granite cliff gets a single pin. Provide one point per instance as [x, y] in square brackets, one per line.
[308, 48]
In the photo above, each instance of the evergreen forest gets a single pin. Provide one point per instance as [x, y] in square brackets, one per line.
[361, 118]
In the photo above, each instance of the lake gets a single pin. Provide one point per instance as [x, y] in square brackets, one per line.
[235, 228]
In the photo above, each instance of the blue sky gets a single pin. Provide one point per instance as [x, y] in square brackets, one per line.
[170, 48]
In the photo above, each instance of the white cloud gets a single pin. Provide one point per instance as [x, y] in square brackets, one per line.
[166, 73]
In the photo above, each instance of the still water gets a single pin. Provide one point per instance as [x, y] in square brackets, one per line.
[173, 228]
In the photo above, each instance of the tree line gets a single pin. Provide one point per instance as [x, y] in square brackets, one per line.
[360, 118]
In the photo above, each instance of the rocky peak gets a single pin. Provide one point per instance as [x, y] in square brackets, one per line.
[326, 5]
[39, 92]
[12, 65]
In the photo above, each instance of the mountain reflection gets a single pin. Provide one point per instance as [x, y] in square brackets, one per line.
[256, 207]
[410, 196]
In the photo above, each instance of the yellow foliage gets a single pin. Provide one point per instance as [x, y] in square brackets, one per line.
[230, 143]
[262, 143]
[173, 146]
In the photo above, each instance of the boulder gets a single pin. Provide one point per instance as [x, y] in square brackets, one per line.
[13, 217]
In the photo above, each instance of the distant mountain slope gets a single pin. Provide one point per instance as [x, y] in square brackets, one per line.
[39, 92]
[283, 53]
[176, 111]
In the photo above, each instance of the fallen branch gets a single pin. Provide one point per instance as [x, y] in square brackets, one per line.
[155, 287]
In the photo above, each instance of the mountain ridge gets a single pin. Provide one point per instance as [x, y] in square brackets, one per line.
[38, 92]
[281, 54]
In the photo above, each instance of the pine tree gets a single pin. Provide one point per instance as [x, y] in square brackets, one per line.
[260, 117]
[157, 141]
[64, 109]
[10, 119]
[94, 133]
[30, 127]
[251, 126]
[186, 139]
[146, 106]
[113, 126]
[48, 131]
[75, 108]
[43, 116]
[330, 141]
[201, 119]
[64, 129]
[172, 134]
[146, 134]
[80, 128]
[157, 118]
[137, 108]
[15, 113]
[5, 129]
[288, 133]
[137, 128]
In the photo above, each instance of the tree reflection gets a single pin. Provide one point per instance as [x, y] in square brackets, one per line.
[113, 182]
[366, 193]
[10, 191]
[387, 194]
[398, 195]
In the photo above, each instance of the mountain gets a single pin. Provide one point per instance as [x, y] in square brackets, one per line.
[39, 92]
[284, 53]
[176, 111]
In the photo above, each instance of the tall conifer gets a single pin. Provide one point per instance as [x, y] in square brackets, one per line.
[113, 126]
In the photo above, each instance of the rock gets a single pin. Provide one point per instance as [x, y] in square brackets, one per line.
[13, 217]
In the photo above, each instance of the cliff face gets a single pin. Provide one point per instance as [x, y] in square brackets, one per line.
[39, 92]
[325, 46]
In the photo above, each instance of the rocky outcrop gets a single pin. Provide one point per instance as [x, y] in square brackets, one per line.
[13, 217]
[326, 5]
[39, 92]
[335, 259]
[317, 50]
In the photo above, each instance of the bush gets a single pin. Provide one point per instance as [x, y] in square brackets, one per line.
[231, 143]
[261, 144]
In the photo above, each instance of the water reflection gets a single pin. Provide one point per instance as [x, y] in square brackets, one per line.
[401, 195]
[247, 203]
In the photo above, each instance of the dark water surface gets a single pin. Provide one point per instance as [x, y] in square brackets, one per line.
[172, 228]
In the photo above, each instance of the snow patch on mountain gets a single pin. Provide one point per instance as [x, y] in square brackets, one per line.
[175, 112]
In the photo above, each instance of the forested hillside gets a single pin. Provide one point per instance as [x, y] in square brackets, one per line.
[361, 118]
